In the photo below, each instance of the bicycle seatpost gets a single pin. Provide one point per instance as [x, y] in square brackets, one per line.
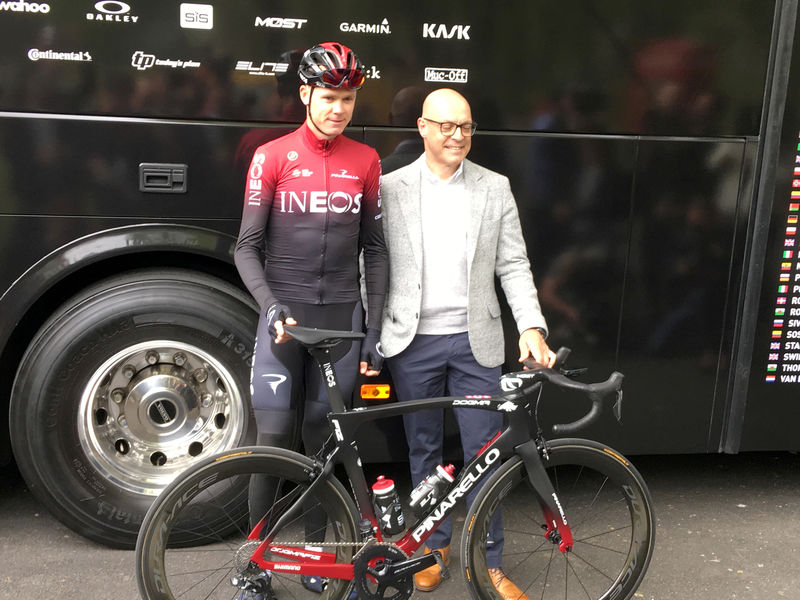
[323, 358]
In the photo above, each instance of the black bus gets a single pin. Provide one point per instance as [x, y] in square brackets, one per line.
[653, 150]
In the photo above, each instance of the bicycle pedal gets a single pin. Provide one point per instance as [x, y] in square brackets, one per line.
[442, 567]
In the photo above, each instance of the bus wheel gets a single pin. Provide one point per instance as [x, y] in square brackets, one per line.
[123, 387]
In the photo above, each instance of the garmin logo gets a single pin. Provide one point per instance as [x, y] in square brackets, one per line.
[280, 22]
[197, 16]
[28, 7]
[381, 28]
[440, 31]
[111, 10]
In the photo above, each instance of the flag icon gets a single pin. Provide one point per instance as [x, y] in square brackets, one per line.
[781, 299]
[784, 277]
[777, 323]
[774, 345]
[786, 266]
[783, 289]
[788, 253]
[791, 231]
[776, 334]
[791, 219]
[789, 242]
[770, 379]
[774, 356]
[779, 312]
[795, 194]
[794, 206]
[772, 367]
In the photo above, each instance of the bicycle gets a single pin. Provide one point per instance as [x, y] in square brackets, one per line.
[578, 516]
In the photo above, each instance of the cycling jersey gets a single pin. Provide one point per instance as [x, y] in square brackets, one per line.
[310, 205]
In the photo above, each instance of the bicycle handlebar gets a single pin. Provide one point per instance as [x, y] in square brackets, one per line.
[596, 392]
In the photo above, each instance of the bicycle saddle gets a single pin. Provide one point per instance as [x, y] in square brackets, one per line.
[320, 338]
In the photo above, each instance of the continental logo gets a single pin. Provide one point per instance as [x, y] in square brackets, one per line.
[619, 457]
[232, 455]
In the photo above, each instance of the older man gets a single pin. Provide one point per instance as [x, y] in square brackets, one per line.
[450, 227]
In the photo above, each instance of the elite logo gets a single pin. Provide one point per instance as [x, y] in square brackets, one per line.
[441, 31]
[267, 69]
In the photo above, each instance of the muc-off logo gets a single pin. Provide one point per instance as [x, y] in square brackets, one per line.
[280, 22]
[446, 75]
[263, 69]
[440, 31]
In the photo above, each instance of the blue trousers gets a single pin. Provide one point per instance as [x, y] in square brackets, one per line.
[429, 367]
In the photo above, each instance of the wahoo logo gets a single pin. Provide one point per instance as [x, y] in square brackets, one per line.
[274, 380]
[439, 31]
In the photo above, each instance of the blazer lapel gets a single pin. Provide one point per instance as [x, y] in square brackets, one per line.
[477, 205]
[410, 208]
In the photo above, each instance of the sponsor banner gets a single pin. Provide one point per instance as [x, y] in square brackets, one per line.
[112, 11]
[25, 7]
[262, 69]
[197, 16]
[143, 61]
[446, 74]
[35, 54]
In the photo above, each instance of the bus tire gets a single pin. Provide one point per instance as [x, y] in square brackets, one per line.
[126, 384]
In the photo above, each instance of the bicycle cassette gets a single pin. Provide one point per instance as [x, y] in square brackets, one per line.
[373, 578]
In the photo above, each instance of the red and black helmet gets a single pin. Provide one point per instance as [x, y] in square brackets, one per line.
[331, 65]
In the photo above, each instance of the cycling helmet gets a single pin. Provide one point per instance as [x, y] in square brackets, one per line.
[331, 65]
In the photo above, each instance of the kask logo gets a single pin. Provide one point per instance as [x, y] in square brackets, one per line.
[441, 31]
[197, 16]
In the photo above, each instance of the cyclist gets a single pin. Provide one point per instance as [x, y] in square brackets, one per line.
[311, 205]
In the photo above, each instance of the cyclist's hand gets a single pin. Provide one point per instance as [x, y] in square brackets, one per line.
[532, 345]
[371, 353]
[277, 314]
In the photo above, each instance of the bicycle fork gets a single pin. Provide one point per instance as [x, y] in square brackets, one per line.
[557, 530]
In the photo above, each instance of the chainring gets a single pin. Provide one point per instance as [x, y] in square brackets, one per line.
[369, 563]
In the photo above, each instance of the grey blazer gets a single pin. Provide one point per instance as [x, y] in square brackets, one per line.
[495, 246]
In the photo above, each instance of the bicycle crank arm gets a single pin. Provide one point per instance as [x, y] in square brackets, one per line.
[389, 572]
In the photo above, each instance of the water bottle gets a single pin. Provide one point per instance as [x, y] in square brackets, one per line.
[387, 506]
[431, 489]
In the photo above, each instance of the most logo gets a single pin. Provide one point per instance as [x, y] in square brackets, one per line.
[112, 10]
[280, 22]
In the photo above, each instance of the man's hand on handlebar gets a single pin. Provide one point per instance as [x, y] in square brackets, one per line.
[532, 345]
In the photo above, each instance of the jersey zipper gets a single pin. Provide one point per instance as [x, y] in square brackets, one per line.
[320, 279]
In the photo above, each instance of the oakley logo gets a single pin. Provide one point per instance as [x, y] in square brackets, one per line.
[274, 380]
[110, 10]
[440, 31]
[280, 23]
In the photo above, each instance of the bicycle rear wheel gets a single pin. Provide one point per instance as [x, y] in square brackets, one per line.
[171, 563]
[608, 507]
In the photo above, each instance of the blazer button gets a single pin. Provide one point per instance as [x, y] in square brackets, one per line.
[416, 315]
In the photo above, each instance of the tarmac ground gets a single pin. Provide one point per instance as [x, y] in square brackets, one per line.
[728, 527]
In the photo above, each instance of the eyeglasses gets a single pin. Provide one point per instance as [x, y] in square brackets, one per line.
[448, 128]
[350, 78]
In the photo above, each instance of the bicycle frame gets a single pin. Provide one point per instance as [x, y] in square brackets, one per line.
[518, 437]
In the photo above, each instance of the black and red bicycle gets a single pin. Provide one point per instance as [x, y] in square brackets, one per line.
[577, 516]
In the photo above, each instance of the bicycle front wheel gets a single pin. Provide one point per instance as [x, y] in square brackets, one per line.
[607, 506]
[193, 541]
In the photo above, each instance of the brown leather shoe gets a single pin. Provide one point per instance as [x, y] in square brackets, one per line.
[505, 587]
[429, 579]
